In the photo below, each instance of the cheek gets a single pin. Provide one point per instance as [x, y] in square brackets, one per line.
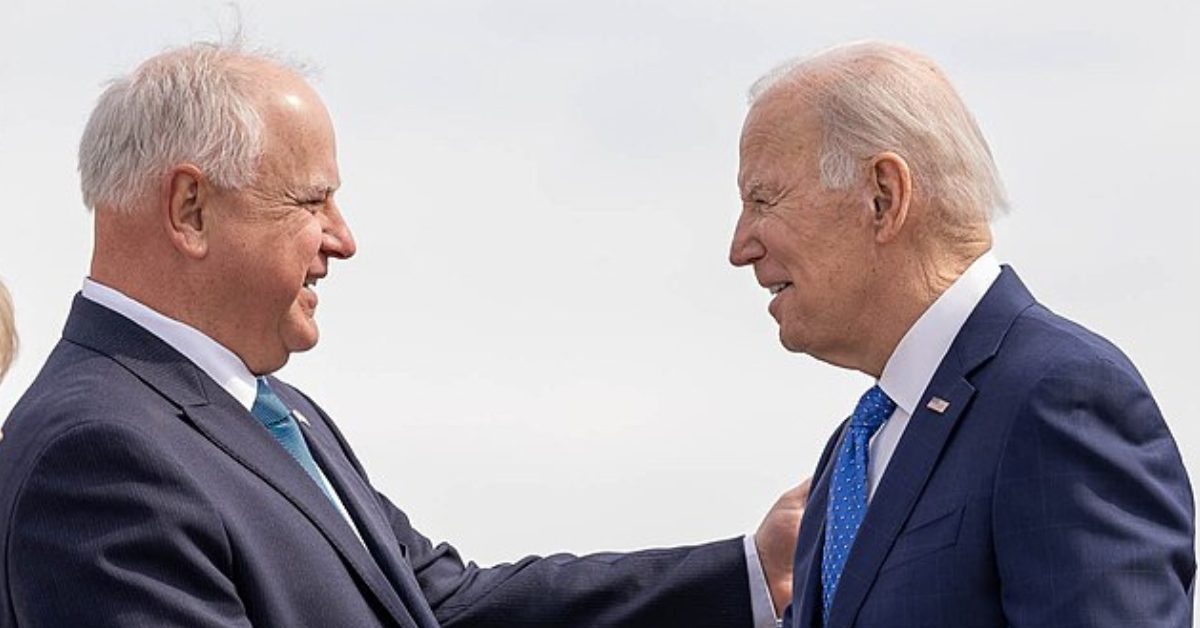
[305, 244]
[311, 236]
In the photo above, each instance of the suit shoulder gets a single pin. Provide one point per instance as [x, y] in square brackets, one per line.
[1040, 336]
[78, 385]
[78, 390]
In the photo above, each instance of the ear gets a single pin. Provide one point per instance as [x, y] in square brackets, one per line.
[891, 183]
[186, 191]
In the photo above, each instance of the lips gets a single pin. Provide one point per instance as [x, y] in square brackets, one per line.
[308, 294]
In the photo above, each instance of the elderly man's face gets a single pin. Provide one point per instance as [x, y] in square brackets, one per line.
[275, 236]
[811, 247]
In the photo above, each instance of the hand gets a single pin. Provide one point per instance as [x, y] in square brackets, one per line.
[776, 542]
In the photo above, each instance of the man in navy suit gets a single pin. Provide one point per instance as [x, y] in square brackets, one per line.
[156, 475]
[1011, 468]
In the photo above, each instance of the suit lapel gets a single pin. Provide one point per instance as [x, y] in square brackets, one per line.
[806, 575]
[232, 428]
[917, 454]
[911, 464]
[362, 504]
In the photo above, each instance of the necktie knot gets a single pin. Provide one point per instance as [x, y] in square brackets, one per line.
[268, 407]
[874, 407]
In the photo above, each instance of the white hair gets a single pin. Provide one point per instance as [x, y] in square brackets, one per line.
[874, 97]
[195, 104]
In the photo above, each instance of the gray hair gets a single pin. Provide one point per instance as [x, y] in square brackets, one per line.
[195, 104]
[8, 331]
[874, 97]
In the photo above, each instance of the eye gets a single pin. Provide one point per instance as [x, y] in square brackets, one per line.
[312, 204]
[759, 204]
[758, 198]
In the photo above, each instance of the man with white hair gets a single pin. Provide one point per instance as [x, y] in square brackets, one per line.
[1009, 467]
[156, 474]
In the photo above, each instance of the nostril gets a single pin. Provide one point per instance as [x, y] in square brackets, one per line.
[340, 246]
[739, 255]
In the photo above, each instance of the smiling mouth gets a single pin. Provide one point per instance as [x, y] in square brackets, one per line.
[776, 288]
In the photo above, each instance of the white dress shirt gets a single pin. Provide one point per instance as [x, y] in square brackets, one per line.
[908, 372]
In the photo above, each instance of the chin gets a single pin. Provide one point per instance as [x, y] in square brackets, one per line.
[265, 365]
[303, 345]
[302, 337]
[790, 342]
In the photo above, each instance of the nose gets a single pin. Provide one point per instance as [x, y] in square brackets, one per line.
[746, 247]
[337, 240]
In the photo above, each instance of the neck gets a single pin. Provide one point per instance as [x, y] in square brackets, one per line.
[128, 256]
[907, 291]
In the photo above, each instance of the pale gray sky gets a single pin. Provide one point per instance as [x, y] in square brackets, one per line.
[541, 345]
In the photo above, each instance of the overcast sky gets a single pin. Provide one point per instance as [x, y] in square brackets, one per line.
[541, 345]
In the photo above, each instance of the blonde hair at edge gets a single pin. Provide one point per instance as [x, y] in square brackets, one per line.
[8, 332]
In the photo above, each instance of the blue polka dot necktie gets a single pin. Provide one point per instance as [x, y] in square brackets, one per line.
[848, 489]
[275, 416]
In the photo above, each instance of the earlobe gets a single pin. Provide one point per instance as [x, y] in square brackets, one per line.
[186, 193]
[892, 189]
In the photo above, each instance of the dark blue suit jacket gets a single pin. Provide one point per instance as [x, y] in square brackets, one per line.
[1048, 493]
[135, 492]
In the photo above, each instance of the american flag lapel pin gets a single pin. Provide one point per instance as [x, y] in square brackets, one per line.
[937, 404]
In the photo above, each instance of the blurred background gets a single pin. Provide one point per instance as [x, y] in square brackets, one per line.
[541, 345]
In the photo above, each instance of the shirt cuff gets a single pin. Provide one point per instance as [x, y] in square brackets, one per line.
[761, 605]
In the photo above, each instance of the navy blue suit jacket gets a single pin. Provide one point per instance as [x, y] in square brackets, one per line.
[1048, 493]
[135, 492]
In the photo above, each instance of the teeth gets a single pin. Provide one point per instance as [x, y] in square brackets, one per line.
[778, 287]
[310, 283]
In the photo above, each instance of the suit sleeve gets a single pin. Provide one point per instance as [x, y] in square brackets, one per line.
[1093, 511]
[107, 533]
[704, 585]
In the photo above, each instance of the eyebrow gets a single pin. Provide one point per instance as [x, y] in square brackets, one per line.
[313, 191]
[753, 188]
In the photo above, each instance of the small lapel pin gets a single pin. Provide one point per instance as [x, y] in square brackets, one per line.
[938, 405]
[301, 418]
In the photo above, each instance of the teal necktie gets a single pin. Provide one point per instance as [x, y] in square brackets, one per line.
[848, 489]
[275, 416]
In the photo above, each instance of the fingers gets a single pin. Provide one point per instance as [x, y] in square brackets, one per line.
[776, 541]
[802, 491]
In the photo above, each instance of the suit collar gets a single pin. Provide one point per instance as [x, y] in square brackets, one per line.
[913, 461]
[924, 346]
[987, 326]
[220, 364]
[150, 359]
[227, 424]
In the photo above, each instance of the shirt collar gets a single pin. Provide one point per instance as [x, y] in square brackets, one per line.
[910, 369]
[219, 363]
